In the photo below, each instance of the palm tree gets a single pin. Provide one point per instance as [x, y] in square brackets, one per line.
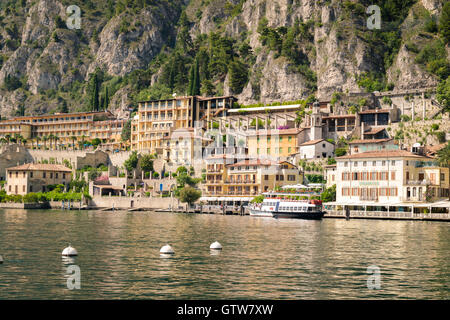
[3, 141]
[443, 158]
[45, 138]
[73, 141]
[37, 142]
[8, 138]
[51, 137]
[83, 137]
[56, 139]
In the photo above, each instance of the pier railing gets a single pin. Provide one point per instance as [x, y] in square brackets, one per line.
[387, 215]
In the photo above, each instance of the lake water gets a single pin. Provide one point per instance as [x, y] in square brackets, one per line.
[262, 258]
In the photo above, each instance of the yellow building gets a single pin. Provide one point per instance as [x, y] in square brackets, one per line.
[32, 177]
[275, 143]
[247, 177]
[109, 131]
[156, 120]
[66, 127]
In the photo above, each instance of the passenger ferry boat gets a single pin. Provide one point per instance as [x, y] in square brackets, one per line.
[286, 208]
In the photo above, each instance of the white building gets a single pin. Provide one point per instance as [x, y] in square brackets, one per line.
[316, 149]
[389, 177]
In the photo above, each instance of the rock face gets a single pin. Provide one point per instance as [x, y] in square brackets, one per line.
[37, 49]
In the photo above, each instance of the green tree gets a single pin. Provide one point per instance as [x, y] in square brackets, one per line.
[444, 22]
[189, 195]
[238, 76]
[146, 163]
[126, 131]
[132, 162]
[329, 194]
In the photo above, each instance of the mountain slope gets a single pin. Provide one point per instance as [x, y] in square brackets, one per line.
[259, 50]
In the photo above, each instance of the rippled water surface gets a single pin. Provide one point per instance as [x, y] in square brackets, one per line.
[263, 258]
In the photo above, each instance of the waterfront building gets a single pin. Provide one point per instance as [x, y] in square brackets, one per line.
[330, 175]
[239, 182]
[389, 177]
[36, 177]
[156, 120]
[60, 129]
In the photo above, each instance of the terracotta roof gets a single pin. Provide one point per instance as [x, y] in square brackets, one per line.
[435, 148]
[368, 141]
[374, 130]
[382, 154]
[312, 142]
[41, 167]
[258, 162]
[374, 111]
[276, 132]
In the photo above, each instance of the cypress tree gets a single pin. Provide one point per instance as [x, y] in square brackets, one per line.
[106, 99]
[196, 80]
[94, 97]
[191, 81]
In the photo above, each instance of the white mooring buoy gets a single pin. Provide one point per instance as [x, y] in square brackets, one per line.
[167, 249]
[215, 246]
[70, 251]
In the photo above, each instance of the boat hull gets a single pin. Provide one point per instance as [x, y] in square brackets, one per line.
[287, 215]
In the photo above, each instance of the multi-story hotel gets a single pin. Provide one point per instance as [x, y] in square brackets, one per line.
[247, 178]
[389, 177]
[156, 120]
[67, 127]
[109, 131]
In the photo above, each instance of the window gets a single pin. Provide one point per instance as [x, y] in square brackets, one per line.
[383, 163]
[280, 150]
[289, 149]
[31, 174]
[24, 174]
[31, 188]
[289, 138]
[23, 188]
[51, 175]
[364, 163]
[374, 163]
[43, 175]
[393, 163]
[266, 177]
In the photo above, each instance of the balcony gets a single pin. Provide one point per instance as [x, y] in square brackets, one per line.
[418, 182]
[240, 181]
[368, 198]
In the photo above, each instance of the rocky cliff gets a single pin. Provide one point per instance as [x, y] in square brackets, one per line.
[258, 50]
